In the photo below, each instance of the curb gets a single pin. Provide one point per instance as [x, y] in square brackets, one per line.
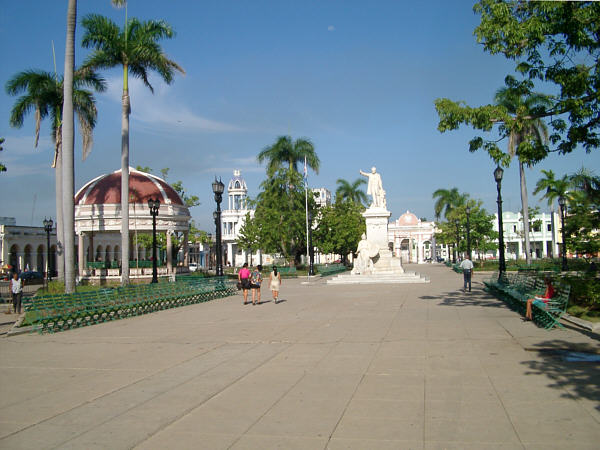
[593, 327]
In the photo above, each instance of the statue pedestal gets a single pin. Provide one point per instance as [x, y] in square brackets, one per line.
[377, 220]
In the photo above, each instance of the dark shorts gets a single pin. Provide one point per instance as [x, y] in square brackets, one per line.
[245, 283]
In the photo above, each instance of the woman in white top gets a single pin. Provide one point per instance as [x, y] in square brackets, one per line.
[274, 283]
[16, 288]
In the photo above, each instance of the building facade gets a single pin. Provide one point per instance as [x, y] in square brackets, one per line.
[412, 239]
[544, 235]
[25, 248]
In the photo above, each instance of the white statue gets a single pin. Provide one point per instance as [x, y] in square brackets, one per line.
[363, 264]
[375, 188]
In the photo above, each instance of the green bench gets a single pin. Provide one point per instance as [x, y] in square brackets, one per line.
[287, 272]
[516, 288]
[59, 312]
[330, 269]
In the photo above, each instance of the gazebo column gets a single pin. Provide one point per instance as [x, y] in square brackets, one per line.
[80, 250]
[169, 252]
[186, 250]
[420, 252]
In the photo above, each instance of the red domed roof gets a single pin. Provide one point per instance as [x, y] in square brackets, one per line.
[408, 218]
[143, 186]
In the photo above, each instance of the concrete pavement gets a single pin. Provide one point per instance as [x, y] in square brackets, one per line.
[421, 366]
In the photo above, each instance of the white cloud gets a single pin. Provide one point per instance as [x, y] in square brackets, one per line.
[161, 109]
[330, 28]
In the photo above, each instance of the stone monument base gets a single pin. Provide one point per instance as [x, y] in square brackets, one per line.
[380, 278]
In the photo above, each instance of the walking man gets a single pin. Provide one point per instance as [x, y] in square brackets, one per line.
[467, 268]
[16, 289]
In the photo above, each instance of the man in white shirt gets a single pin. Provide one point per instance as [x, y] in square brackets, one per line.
[467, 268]
[16, 289]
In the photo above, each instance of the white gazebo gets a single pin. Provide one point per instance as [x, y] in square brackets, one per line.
[98, 222]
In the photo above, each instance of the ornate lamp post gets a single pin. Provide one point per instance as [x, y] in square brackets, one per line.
[209, 265]
[154, 204]
[498, 172]
[218, 187]
[562, 203]
[468, 211]
[457, 239]
[48, 224]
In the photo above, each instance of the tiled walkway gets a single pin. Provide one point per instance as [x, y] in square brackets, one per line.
[365, 367]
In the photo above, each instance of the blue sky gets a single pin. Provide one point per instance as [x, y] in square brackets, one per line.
[357, 78]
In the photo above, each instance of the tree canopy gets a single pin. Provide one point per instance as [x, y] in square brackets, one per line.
[553, 44]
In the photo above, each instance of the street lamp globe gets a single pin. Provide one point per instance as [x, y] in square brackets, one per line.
[561, 201]
[218, 187]
[498, 174]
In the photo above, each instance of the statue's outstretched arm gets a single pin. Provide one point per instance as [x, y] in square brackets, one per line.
[363, 173]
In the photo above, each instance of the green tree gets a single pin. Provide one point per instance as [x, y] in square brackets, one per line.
[557, 43]
[280, 214]
[249, 236]
[554, 188]
[515, 103]
[340, 228]
[352, 192]
[447, 200]
[285, 152]
[136, 49]
[42, 93]
[582, 217]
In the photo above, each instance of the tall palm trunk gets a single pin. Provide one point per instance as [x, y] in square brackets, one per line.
[525, 205]
[60, 233]
[125, 181]
[68, 151]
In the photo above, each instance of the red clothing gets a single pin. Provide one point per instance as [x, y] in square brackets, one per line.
[549, 292]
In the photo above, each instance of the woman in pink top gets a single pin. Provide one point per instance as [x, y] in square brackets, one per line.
[244, 279]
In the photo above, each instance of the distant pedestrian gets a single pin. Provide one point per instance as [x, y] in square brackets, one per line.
[16, 288]
[244, 279]
[275, 283]
[256, 280]
[467, 268]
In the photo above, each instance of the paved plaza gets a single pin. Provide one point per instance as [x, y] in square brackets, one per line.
[421, 366]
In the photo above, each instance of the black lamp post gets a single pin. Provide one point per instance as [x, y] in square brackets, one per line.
[498, 172]
[209, 251]
[562, 203]
[218, 187]
[468, 211]
[154, 204]
[48, 224]
[457, 239]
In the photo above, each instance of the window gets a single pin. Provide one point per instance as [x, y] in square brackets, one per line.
[549, 227]
[514, 228]
[536, 228]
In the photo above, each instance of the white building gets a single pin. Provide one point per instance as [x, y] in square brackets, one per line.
[232, 221]
[25, 247]
[322, 196]
[411, 239]
[544, 236]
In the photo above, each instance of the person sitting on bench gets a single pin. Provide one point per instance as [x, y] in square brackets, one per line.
[540, 300]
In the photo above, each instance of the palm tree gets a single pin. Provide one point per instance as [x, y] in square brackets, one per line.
[447, 201]
[286, 151]
[555, 188]
[135, 48]
[534, 130]
[68, 170]
[351, 192]
[43, 94]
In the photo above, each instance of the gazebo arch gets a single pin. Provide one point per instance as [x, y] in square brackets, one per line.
[27, 257]
[40, 259]
[98, 216]
[13, 257]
